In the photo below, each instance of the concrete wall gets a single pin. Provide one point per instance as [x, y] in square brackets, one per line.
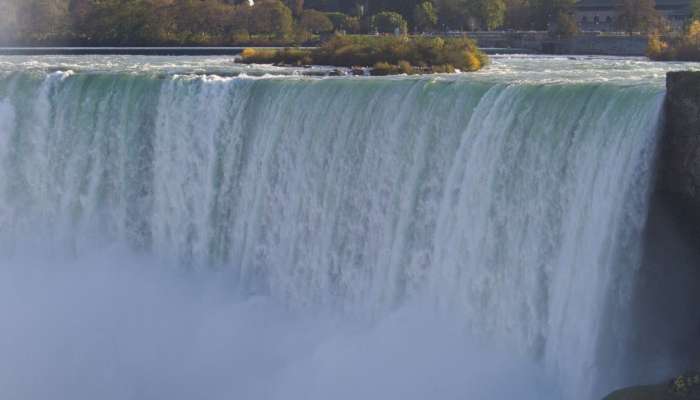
[589, 43]
[601, 45]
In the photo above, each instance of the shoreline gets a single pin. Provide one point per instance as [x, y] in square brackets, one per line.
[209, 51]
[128, 50]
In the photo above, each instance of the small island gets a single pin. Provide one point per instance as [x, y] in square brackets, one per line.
[383, 55]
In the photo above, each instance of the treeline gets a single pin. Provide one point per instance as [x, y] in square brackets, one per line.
[223, 22]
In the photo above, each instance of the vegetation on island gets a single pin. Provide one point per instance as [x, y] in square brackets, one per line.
[683, 47]
[385, 55]
[259, 22]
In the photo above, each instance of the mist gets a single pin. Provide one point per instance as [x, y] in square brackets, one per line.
[118, 326]
[198, 237]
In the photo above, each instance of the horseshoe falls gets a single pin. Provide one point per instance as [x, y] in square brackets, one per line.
[173, 229]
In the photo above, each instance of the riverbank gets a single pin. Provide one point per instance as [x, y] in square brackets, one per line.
[495, 42]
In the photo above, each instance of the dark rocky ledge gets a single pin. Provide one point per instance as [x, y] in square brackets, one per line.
[679, 163]
[664, 311]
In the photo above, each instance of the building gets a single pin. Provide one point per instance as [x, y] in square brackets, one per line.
[601, 15]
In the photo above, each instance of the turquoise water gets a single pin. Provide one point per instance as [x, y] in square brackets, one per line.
[180, 226]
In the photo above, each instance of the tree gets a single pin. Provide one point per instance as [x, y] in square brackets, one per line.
[545, 12]
[8, 21]
[315, 22]
[133, 22]
[424, 16]
[565, 25]
[389, 22]
[639, 16]
[403, 7]
[491, 13]
[297, 6]
[271, 17]
[695, 10]
[453, 14]
[518, 15]
[344, 22]
[43, 19]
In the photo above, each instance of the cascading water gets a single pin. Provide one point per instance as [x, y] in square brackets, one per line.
[512, 209]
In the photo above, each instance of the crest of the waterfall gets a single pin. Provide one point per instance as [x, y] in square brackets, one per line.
[514, 209]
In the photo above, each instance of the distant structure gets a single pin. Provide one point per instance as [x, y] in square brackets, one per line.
[601, 15]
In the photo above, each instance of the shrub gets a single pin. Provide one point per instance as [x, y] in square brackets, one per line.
[442, 69]
[383, 68]
[405, 67]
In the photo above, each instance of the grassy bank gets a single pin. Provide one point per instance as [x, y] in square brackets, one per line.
[385, 55]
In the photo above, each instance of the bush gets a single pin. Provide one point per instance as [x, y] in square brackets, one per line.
[383, 68]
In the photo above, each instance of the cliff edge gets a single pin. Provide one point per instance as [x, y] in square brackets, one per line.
[679, 163]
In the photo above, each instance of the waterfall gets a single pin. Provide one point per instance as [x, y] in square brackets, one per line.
[515, 208]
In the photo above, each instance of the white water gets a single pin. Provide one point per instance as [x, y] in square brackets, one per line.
[191, 236]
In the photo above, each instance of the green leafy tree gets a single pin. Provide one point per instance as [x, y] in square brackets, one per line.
[389, 22]
[315, 22]
[43, 20]
[518, 15]
[344, 22]
[453, 14]
[639, 16]
[425, 16]
[565, 25]
[8, 21]
[695, 10]
[404, 7]
[137, 22]
[544, 13]
[271, 17]
[491, 13]
[297, 6]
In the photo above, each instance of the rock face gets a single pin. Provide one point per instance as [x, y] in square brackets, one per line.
[680, 149]
[664, 315]
[683, 387]
[651, 392]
